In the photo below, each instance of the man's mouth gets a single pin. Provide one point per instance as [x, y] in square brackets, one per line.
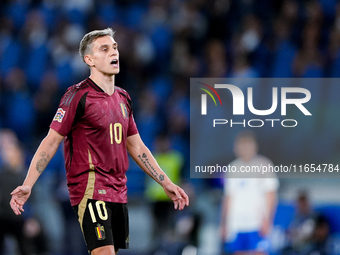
[114, 62]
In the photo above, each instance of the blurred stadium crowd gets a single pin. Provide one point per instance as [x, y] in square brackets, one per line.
[162, 44]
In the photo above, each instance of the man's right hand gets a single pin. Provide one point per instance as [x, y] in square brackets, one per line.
[19, 198]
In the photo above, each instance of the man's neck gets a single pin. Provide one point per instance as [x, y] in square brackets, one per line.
[248, 159]
[105, 82]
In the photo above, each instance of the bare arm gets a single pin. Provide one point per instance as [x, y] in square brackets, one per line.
[224, 215]
[271, 208]
[271, 205]
[143, 157]
[40, 160]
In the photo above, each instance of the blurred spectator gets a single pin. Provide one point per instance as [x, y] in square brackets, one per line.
[177, 120]
[309, 60]
[183, 63]
[301, 228]
[320, 242]
[289, 11]
[171, 162]
[12, 173]
[2, 107]
[249, 204]
[34, 34]
[27, 232]
[251, 36]
[217, 64]
[45, 102]
[63, 48]
[147, 117]
[242, 68]
[20, 114]
[334, 46]
[48, 208]
[183, 234]
[36, 244]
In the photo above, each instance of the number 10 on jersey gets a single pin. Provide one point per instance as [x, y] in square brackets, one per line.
[116, 131]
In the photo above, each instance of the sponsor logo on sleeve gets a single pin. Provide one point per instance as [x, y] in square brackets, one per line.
[59, 115]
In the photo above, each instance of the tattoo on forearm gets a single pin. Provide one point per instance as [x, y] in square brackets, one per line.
[42, 163]
[151, 169]
[161, 177]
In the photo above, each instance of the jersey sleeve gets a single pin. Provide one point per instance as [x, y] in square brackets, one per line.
[271, 182]
[132, 129]
[66, 112]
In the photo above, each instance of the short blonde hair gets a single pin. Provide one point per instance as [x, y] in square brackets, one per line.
[85, 46]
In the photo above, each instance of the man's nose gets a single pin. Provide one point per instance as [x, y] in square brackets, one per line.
[113, 52]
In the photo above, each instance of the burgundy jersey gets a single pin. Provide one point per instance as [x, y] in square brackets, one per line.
[95, 126]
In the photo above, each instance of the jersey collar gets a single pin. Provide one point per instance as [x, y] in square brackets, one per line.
[94, 85]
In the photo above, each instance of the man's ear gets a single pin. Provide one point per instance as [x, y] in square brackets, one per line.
[88, 60]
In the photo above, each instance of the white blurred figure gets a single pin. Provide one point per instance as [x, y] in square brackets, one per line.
[249, 204]
[11, 174]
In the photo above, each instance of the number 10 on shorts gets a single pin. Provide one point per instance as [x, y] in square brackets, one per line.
[101, 211]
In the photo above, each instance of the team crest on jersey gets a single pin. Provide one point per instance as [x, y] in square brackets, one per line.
[100, 232]
[59, 115]
[124, 110]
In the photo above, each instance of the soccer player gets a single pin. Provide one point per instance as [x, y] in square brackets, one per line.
[95, 121]
[249, 203]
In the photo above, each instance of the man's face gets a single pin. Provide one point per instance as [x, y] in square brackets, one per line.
[245, 148]
[104, 56]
